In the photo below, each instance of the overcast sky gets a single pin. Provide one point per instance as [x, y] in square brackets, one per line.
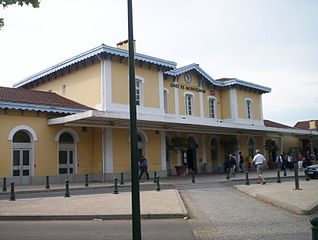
[273, 43]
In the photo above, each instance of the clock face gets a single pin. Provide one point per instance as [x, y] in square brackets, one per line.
[187, 78]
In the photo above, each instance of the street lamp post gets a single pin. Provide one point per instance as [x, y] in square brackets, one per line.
[136, 228]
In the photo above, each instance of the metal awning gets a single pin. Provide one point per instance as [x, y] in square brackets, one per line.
[170, 123]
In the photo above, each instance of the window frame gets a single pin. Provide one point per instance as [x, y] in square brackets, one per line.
[249, 108]
[189, 109]
[214, 99]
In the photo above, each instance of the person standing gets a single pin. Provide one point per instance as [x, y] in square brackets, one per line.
[143, 167]
[260, 162]
[241, 162]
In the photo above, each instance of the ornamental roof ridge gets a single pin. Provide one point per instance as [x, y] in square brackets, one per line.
[91, 53]
[236, 81]
[190, 67]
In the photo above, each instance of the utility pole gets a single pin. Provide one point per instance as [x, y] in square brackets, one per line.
[135, 192]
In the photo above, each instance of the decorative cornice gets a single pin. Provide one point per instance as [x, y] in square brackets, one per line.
[232, 82]
[100, 50]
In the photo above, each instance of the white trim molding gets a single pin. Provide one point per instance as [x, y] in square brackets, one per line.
[161, 89]
[201, 104]
[23, 127]
[234, 107]
[68, 130]
[107, 84]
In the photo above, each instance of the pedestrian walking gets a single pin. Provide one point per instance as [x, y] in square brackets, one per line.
[233, 165]
[279, 162]
[260, 162]
[143, 167]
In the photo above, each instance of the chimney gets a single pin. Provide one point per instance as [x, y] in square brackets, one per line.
[124, 45]
[312, 125]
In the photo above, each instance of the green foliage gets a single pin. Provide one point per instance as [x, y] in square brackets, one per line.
[230, 144]
[180, 143]
[271, 147]
[6, 3]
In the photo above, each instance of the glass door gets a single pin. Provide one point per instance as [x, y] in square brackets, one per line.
[66, 163]
[21, 162]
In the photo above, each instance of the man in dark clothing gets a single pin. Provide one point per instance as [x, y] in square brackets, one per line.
[143, 167]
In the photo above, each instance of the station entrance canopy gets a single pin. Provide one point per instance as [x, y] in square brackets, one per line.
[115, 119]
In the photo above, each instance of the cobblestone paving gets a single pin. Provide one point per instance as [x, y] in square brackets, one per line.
[222, 213]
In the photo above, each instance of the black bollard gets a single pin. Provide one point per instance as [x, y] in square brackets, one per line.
[314, 228]
[154, 177]
[193, 177]
[278, 177]
[12, 195]
[4, 185]
[227, 173]
[285, 172]
[247, 181]
[67, 190]
[86, 180]
[47, 184]
[115, 186]
[121, 178]
[158, 183]
[295, 155]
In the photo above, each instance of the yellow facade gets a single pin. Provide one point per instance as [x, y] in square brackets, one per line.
[45, 149]
[241, 104]
[88, 78]
[225, 103]
[120, 84]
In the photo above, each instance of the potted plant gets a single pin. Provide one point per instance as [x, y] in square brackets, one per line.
[181, 144]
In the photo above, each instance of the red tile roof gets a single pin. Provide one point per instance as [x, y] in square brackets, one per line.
[269, 123]
[19, 95]
[305, 125]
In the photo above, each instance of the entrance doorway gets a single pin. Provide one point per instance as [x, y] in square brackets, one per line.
[192, 157]
[22, 157]
[67, 160]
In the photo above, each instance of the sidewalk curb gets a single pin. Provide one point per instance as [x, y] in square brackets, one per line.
[287, 206]
[87, 217]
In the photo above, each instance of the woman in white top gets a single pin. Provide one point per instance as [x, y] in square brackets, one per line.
[260, 162]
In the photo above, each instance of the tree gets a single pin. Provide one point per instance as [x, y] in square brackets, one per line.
[6, 3]
[271, 147]
[230, 144]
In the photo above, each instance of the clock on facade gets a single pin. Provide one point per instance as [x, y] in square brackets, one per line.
[187, 78]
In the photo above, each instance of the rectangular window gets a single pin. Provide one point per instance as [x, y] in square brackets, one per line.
[165, 100]
[189, 104]
[249, 109]
[138, 92]
[212, 108]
